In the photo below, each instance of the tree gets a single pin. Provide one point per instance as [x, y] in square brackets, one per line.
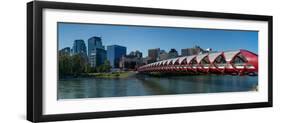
[88, 68]
[65, 67]
[78, 64]
[105, 67]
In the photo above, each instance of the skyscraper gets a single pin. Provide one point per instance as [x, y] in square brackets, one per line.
[114, 54]
[191, 51]
[153, 54]
[173, 53]
[65, 51]
[131, 61]
[136, 54]
[96, 51]
[163, 55]
[79, 47]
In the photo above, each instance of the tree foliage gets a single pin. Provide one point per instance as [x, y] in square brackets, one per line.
[65, 65]
[74, 65]
[105, 67]
[78, 64]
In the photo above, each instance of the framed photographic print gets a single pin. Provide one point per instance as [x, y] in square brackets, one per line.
[95, 61]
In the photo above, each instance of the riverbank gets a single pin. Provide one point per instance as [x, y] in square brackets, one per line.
[111, 75]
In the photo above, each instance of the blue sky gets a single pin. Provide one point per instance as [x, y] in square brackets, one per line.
[143, 38]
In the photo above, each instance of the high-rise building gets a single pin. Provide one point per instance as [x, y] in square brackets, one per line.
[136, 53]
[153, 54]
[191, 51]
[97, 57]
[94, 42]
[114, 54]
[65, 51]
[79, 47]
[163, 55]
[130, 62]
[96, 51]
[173, 53]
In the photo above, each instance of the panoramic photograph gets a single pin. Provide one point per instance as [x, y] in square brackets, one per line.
[104, 60]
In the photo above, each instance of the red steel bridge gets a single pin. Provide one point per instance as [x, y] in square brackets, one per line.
[238, 62]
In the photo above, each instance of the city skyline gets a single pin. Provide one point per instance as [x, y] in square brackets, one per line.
[126, 61]
[143, 38]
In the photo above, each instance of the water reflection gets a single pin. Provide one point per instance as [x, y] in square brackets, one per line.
[146, 85]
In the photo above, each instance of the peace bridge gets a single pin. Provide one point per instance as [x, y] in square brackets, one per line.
[238, 62]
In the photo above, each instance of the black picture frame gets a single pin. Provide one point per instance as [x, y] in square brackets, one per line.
[35, 69]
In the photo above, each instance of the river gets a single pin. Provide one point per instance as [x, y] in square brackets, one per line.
[141, 85]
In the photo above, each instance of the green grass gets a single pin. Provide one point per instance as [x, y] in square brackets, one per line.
[112, 75]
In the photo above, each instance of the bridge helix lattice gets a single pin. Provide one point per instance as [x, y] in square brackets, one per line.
[227, 62]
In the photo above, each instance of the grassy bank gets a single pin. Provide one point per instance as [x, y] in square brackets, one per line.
[112, 75]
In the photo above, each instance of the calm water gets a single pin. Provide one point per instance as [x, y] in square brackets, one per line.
[147, 85]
